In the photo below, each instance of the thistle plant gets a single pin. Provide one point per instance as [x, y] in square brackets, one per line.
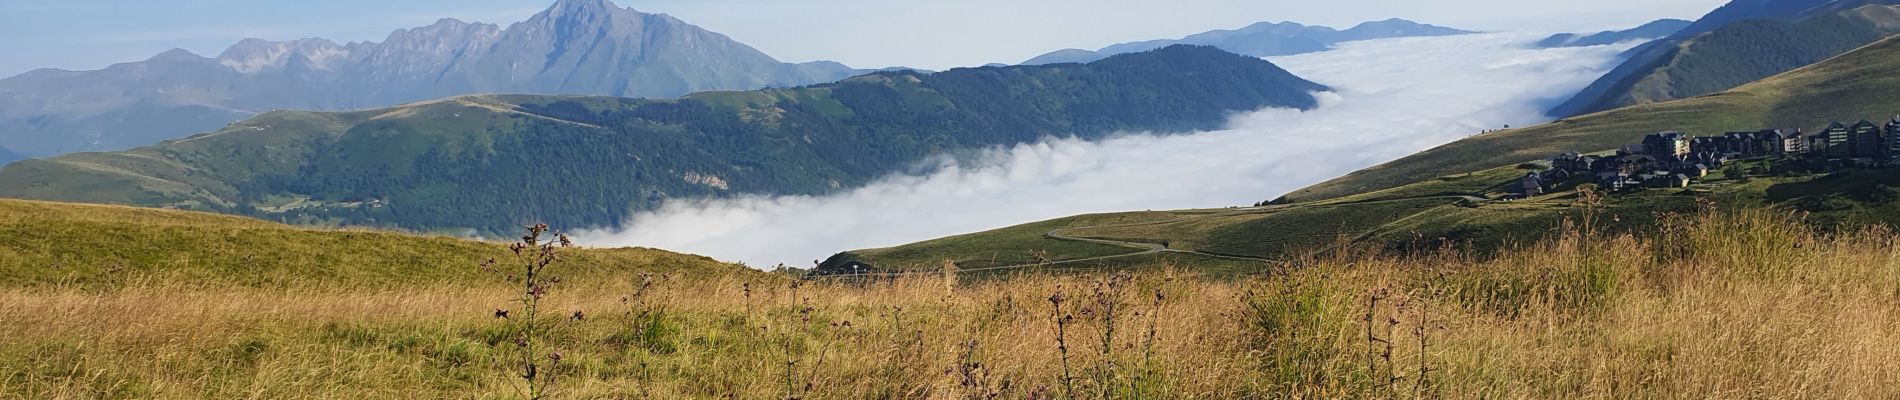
[975, 377]
[1062, 343]
[1148, 342]
[1108, 300]
[533, 256]
[641, 315]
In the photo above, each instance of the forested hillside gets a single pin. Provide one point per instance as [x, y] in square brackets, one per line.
[493, 162]
[1735, 52]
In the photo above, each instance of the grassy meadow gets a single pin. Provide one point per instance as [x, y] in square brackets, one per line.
[1717, 304]
[1460, 208]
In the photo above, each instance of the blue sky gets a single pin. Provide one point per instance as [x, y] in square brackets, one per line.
[89, 34]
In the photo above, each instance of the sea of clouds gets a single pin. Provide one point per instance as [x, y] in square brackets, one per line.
[1391, 98]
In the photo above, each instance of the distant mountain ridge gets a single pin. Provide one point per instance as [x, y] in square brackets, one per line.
[1264, 39]
[591, 47]
[487, 162]
[1653, 30]
[1740, 42]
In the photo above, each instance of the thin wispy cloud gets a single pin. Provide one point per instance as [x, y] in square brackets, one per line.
[191, 34]
[1393, 97]
[499, 16]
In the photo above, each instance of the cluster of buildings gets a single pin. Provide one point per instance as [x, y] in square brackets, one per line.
[1676, 159]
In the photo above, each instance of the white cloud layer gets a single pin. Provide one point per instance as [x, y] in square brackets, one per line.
[1392, 98]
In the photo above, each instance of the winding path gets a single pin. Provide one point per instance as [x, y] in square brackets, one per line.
[1152, 248]
[1146, 249]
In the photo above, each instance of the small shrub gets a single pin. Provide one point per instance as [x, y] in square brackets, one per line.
[1880, 194]
[247, 352]
[654, 333]
[1827, 202]
[352, 334]
[1288, 323]
[459, 353]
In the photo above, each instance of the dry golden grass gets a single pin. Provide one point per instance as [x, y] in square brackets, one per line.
[1743, 304]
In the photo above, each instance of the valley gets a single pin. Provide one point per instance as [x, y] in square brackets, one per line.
[1394, 207]
[1381, 109]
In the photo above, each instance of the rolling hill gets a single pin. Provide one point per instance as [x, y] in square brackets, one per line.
[1264, 39]
[1427, 215]
[1653, 30]
[51, 244]
[590, 47]
[1739, 43]
[491, 163]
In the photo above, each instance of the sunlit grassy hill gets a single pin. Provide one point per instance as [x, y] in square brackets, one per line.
[1730, 47]
[1461, 209]
[52, 244]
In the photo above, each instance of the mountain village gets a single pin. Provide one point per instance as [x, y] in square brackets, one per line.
[1675, 159]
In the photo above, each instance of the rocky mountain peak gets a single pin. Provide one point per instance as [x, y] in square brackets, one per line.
[567, 6]
[444, 34]
[254, 55]
[1286, 26]
[586, 10]
[1400, 27]
[176, 54]
[590, 47]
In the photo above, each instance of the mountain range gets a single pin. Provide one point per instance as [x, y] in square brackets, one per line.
[489, 162]
[589, 47]
[1650, 31]
[1738, 43]
[1264, 39]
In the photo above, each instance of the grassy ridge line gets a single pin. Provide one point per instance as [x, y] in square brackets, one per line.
[1021, 245]
[1420, 216]
[1860, 83]
[1741, 50]
[46, 243]
[1272, 232]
